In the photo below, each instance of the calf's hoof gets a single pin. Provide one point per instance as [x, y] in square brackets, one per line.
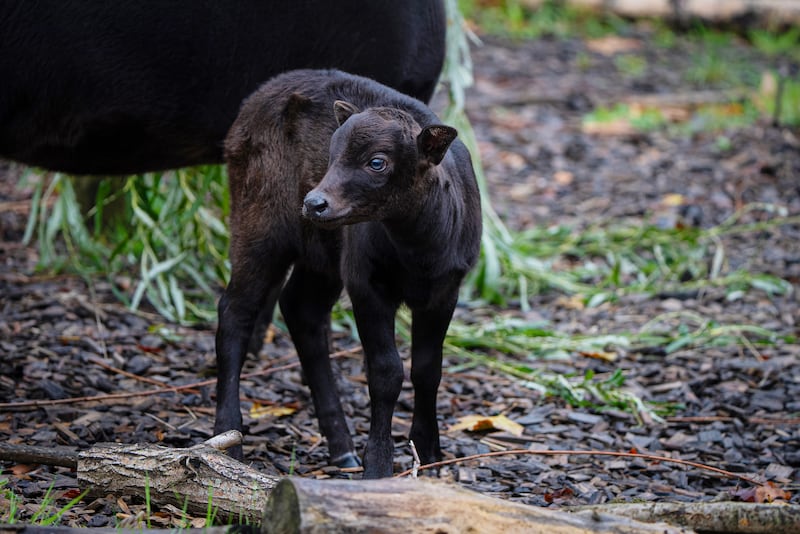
[346, 461]
[371, 474]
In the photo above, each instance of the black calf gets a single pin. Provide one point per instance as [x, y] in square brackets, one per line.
[394, 217]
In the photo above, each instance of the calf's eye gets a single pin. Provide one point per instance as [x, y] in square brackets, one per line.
[377, 164]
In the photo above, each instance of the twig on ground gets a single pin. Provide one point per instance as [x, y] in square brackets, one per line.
[729, 418]
[116, 370]
[116, 396]
[652, 457]
[96, 310]
[415, 456]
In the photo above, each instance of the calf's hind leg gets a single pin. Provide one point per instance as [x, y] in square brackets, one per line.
[249, 293]
[260, 327]
[306, 304]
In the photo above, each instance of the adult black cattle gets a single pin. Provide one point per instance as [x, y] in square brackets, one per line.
[127, 87]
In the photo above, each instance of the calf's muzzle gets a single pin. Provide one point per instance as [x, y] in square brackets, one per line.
[315, 205]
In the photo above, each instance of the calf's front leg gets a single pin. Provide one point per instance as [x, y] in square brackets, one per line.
[428, 329]
[375, 322]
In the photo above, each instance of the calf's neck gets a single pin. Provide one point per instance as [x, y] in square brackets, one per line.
[344, 182]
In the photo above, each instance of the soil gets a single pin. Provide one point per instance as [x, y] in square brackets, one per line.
[63, 337]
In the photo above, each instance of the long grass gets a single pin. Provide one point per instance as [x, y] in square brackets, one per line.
[9, 513]
[46, 514]
[173, 238]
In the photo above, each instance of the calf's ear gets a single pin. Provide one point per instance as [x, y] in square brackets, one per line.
[433, 142]
[343, 110]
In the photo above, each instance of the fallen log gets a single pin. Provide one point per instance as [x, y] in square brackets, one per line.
[726, 516]
[782, 11]
[189, 478]
[410, 506]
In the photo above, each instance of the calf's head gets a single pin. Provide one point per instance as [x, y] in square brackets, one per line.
[378, 160]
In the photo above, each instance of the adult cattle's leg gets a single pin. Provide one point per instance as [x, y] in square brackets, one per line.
[306, 304]
[255, 285]
[428, 329]
[375, 321]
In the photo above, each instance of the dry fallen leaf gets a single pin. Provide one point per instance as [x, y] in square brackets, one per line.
[20, 470]
[563, 493]
[477, 423]
[123, 506]
[770, 492]
[599, 355]
[572, 302]
[149, 349]
[71, 493]
[258, 411]
[269, 335]
[673, 200]
[766, 493]
[161, 518]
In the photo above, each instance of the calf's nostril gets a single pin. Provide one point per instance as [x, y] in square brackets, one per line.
[315, 204]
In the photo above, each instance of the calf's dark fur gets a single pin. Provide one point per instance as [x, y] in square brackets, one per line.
[350, 184]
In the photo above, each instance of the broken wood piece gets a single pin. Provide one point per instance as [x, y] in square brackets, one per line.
[725, 516]
[188, 478]
[68, 457]
[28, 454]
[224, 441]
[409, 506]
